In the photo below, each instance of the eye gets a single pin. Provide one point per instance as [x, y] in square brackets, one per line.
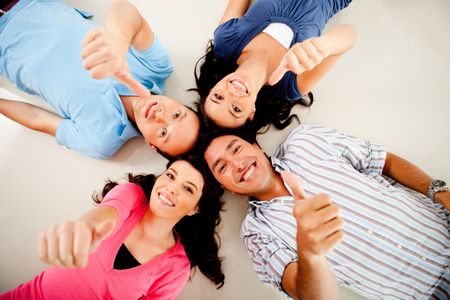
[177, 114]
[218, 96]
[170, 176]
[222, 168]
[162, 133]
[189, 189]
[236, 149]
[236, 108]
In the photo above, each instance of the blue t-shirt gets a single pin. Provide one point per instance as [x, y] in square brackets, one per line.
[40, 51]
[306, 18]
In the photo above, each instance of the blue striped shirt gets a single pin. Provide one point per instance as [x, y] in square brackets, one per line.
[396, 241]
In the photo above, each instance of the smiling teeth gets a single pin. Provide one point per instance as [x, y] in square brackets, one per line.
[239, 85]
[249, 173]
[166, 200]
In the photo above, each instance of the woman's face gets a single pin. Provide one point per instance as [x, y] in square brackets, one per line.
[177, 191]
[231, 102]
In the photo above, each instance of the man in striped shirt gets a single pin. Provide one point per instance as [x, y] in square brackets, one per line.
[395, 241]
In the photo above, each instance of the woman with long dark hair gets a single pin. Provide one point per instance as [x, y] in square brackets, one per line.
[140, 242]
[265, 60]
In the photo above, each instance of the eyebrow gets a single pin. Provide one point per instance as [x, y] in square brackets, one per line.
[188, 182]
[229, 146]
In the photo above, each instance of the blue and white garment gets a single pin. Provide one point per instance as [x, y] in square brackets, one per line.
[396, 241]
[40, 46]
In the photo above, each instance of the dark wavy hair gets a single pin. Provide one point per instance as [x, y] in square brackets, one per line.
[270, 107]
[197, 233]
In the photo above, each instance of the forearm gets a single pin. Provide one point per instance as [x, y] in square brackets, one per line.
[340, 39]
[406, 173]
[315, 280]
[234, 9]
[126, 21]
[30, 116]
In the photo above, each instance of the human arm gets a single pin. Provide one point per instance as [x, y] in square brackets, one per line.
[30, 116]
[70, 243]
[318, 231]
[235, 9]
[105, 48]
[314, 57]
[411, 176]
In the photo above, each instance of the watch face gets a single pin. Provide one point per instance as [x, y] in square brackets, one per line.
[439, 184]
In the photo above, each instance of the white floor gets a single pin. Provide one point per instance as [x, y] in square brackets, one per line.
[393, 87]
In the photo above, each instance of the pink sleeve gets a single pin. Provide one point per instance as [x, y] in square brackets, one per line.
[125, 199]
[170, 290]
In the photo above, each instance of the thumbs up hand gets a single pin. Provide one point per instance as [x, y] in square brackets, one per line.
[70, 243]
[319, 225]
[301, 57]
[104, 54]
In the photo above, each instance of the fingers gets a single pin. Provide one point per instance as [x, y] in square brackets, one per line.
[301, 57]
[294, 183]
[52, 241]
[333, 240]
[90, 36]
[69, 244]
[82, 244]
[66, 244]
[331, 227]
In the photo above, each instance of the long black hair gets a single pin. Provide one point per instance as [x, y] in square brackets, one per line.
[270, 107]
[197, 233]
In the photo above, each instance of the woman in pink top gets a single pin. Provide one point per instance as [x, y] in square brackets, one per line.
[131, 248]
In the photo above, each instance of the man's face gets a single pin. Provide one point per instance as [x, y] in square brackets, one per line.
[167, 124]
[240, 167]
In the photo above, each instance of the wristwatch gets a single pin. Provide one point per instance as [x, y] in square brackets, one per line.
[435, 186]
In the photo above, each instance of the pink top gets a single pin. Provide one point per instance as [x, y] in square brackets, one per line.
[161, 278]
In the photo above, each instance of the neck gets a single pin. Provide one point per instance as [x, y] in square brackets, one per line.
[255, 67]
[273, 190]
[261, 57]
[129, 103]
[158, 230]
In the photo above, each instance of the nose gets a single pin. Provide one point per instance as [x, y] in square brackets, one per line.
[238, 165]
[232, 90]
[160, 116]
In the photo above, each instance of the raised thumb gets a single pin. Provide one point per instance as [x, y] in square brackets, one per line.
[294, 183]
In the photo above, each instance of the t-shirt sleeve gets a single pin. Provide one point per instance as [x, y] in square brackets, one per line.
[324, 143]
[269, 257]
[170, 290]
[152, 66]
[125, 198]
[363, 155]
[74, 137]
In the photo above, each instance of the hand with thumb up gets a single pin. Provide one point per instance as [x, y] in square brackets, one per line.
[70, 243]
[319, 225]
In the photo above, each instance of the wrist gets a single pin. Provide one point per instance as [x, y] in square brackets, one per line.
[437, 187]
[442, 197]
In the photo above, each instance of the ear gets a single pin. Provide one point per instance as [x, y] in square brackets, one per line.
[193, 211]
[252, 114]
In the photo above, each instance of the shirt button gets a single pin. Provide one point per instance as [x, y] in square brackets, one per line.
[370, 231]
[399, 246]
[424, 258]
[447, 268]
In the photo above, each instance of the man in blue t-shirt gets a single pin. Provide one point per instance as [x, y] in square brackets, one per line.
[103, 97]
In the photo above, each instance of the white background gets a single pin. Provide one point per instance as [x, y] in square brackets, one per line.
[393, 88]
